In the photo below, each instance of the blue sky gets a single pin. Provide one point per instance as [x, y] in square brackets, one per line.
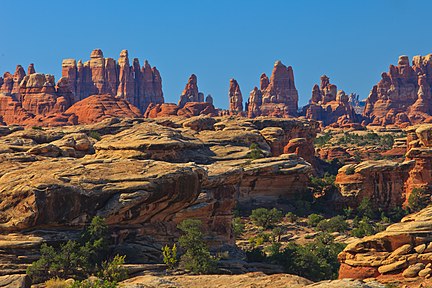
[352, 42]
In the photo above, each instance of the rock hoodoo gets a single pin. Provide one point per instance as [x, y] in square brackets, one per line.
[277, 97]
[330, 106]
[235, 98]
[402, 96]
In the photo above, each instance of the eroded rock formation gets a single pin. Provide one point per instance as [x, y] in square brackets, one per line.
[330, 106]
[403, 96]
[277, 97]
[235, 98]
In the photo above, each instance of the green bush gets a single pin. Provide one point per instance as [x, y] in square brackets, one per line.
[334, 224]
[362, 228]
[95, 135]
[314, 219]
[322, 140]
[255, 152]
[170, 256]
[238, 226]
[266, 218]
[196, 258]
[113, 271]
[291, 217]
[76, 259]
[57, 283]
[417, 200]
[366, 209]
[315, 261]
[255, 255]
[350, 170]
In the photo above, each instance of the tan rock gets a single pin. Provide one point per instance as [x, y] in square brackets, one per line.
[425, 272]
[413, 270]
[392, 267]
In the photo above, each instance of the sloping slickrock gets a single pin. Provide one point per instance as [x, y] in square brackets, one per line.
[402, 244]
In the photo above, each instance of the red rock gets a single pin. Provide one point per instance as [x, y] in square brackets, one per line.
[190, 93]
[138, 85]
[31, 69]
[358, 272]
[197, 108]
[254, 103]
[331, 107]
[277, 97]
[235, 98]
[161, 110]
[402, 96]
[301, 147]
[98, 107]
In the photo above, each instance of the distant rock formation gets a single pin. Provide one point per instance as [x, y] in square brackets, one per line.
[191, 103]
[330, 106]
[235, 98]
[138, 85]
[276, 97]
[403, 96]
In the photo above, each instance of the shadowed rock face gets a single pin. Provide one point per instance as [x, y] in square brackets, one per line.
[403, 95]
[144, 176]
[235, 98]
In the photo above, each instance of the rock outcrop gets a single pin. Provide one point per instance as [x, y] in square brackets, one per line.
[144, 176]
[138, 85]
[330, 106]
[235, 98]
[380, 181]
[277, 97]
[402, 250]
[191, 104]
[403, 96]
[36, 100]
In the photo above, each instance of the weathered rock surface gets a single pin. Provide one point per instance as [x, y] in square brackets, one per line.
[277, 97]
[120, 169]
[99, 107]
[380, 181]
[403, 95]
[402, 249]
[330, 106]
[235, 98]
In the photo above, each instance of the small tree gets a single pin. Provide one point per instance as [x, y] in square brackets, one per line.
[334, 224]
[113, 271]
[170, 256]
[266, 218]
[291, 217]
[314, 219]
[197, 257]
[238, 226]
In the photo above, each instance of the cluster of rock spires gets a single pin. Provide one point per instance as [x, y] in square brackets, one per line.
[402, 97]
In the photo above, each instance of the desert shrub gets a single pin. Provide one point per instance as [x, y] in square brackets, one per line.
[350, 170]
[238, 226]
[366, 209]
[314, 219]
[37, 128]
[197, 256]
[113, 271]
[273, 249]
[95, 135]
[255, 255]
[291, 217]
[334, 224]
[255, 152]
[362, 227]
[315, 261]
[266, 218]
[277, 233]
[259, 239]
[76, 259]
[417, 200]
[170, 256]
[322, 140]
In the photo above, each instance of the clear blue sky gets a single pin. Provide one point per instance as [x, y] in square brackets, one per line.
[350, 41]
